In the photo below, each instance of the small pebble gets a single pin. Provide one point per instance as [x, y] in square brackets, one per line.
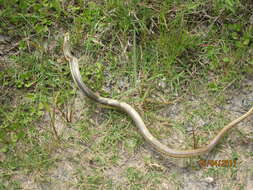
[208, 180]
[162, 83]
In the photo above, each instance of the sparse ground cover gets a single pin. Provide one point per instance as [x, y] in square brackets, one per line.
[186, 66]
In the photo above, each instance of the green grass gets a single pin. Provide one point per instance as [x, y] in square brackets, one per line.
[127, 48]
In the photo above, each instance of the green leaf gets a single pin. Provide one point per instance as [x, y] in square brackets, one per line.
[246, 42]
[4, 149]
[226, 59]
[234, 35]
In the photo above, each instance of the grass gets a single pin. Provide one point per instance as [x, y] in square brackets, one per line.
[127, 48]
